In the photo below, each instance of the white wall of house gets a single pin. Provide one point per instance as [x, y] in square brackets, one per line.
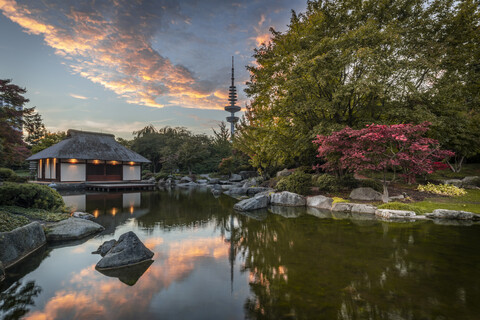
[50, 166]
[73, 172]
[131, 172]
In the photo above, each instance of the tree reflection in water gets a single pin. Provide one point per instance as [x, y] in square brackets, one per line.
[307, 268]
[16, 300]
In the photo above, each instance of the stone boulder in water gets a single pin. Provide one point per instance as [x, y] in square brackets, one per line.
[127, 251]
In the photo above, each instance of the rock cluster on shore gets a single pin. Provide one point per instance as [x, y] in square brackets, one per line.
[277, 200]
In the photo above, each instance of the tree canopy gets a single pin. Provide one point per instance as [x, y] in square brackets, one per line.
[352, 63]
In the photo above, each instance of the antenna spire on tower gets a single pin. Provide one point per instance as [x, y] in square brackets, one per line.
[232, 98]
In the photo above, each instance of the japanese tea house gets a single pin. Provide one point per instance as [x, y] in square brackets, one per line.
[88, 156]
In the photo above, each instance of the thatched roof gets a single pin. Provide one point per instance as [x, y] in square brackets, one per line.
[86, 145]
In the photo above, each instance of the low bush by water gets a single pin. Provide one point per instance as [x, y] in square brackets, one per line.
[29, 195]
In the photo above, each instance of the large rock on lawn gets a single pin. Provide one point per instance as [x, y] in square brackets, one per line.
[395, 214]
[72, 229]
[367, 194]
[20, 242]
[453, 215]
[284, 173]
[128, 251]
[289, 199]
[257, 202]
[320, 202]
[248, 174]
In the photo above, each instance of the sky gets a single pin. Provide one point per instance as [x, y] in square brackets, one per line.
[116, 66]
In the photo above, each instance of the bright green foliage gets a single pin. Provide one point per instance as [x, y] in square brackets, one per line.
[338, 199]
[298, 182]
[361, 62]
[400, 206]
[443, 189]
[9, 221]
[29, 195]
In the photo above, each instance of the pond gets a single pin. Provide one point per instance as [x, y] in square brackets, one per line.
[213, 263]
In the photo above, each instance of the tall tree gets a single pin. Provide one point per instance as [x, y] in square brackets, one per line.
[350, 63]
[13, 149]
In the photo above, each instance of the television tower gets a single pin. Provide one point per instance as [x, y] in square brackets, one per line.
[232, 108]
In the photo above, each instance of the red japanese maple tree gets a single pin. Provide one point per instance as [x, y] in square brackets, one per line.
[381, 148]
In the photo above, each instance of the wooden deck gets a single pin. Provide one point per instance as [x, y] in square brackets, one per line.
[119, 186]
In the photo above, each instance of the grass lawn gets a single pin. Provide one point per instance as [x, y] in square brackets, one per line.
[468, 202]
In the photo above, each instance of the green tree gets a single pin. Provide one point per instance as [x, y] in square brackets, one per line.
[48, 140]
[351, 63]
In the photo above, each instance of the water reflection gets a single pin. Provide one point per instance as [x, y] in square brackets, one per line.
[16, 301]
[211, 262]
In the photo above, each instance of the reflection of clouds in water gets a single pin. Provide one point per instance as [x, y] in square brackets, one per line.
[92, 295]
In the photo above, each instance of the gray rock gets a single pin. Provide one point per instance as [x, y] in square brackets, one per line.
[235, 178]
[72, 229]
[202, 181]
[284, 173]
[52, 185]
[452, 215]
[342, 207]
[286, 198]
[83, 215]
[394, 214]
[105, 247]
[399, 197]
[185, 179]
[236, 191]
[214, 181]
[256, 190]
[455, 182]
[367, 194]
[471, 182]
[19, 243]
[128, 275]
[252, 182]
[128, 251]
[248, 174]
[257, 202]
[217, 187]
[216, 193]
[363, 208]
[2, 272]
[320, 202]
[228, 186]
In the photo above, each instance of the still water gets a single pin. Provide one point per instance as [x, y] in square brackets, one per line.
[213, 263]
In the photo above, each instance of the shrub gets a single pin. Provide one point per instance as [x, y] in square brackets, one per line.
[298, 182]
[329, 183]
[6, 174]
[161, 175]
[147, 175]
[326, 182]
[9, 221]
[443, 189]
[29, 195]
[400, 206]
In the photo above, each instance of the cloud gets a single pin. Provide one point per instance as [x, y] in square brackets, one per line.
[110, 43]
[77, 96]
